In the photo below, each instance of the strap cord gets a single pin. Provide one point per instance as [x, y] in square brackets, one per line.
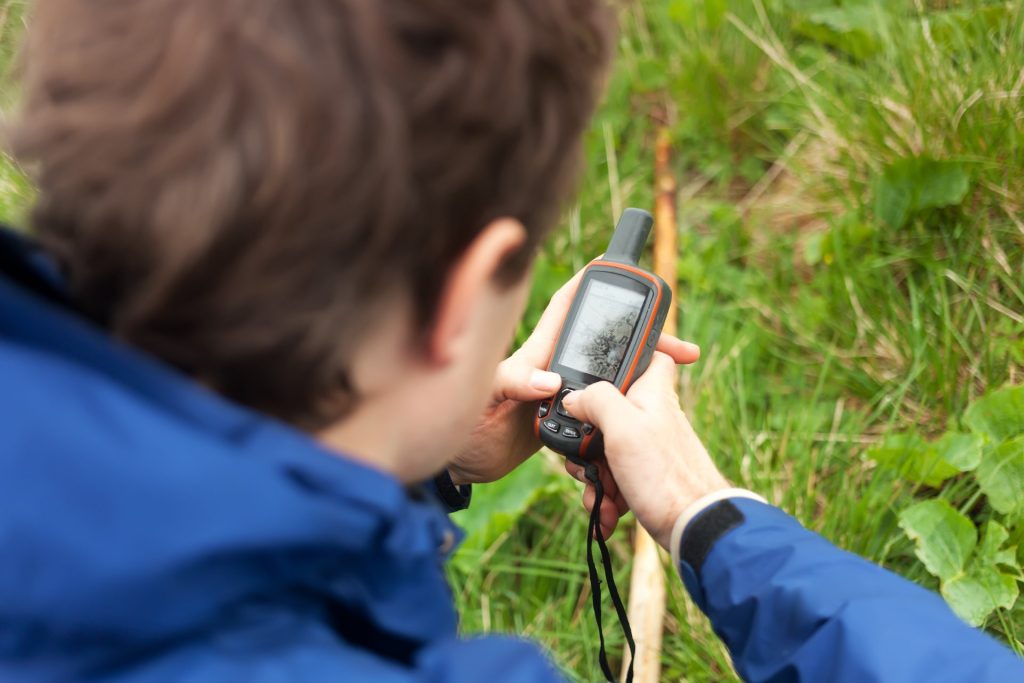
[593, 475]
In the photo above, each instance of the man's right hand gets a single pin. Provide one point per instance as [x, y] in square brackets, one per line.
[657, 462]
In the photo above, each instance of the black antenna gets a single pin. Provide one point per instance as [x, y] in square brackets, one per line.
[630, 236]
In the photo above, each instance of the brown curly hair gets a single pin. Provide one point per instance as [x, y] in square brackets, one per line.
[236, 186]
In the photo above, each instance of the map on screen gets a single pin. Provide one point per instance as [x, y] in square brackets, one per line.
[600, 335]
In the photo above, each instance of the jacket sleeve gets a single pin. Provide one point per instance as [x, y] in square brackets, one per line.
[790, 606]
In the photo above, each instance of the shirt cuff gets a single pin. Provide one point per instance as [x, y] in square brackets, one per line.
[699, 506]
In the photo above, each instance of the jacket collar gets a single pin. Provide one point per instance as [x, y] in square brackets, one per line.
[283, 512]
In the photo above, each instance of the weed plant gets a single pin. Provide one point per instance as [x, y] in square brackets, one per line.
[851, 263]
[851, 180]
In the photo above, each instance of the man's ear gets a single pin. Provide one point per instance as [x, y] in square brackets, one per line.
[471, 284]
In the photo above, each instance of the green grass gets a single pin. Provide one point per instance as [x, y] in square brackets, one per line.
[830, 314]
[15, 190]
[824, 327]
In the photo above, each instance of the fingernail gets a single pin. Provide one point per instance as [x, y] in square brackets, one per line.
[545, 381]
[570, 399]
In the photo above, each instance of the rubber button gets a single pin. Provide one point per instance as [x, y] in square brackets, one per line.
[560, 409]
[571, 433]
[552, 426]
[543, 410]
[588, 429]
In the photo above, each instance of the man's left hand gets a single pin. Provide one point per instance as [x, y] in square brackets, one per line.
[504, 437]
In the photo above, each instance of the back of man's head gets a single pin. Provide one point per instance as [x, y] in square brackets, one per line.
[240, 186]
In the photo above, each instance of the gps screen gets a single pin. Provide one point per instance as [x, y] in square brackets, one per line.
[600, 336]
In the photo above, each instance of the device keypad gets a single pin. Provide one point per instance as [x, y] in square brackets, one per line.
[559, 408]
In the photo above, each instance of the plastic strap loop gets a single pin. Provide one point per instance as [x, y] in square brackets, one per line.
[593, 475]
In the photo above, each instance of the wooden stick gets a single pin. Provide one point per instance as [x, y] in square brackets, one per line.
[666, 236]
[647, 582]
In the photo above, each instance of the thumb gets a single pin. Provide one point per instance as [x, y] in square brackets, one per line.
[517, 380]
[598, 404]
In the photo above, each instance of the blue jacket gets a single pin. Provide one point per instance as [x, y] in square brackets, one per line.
[792, 607]
[151, 531]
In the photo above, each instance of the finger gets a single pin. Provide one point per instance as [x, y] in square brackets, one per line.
[607, 533]
[611, 487]
[538, 346]
[598, 404]
[659, 378]
[516, 380]
[682, 352]
[609, 518]
[612, 493]
[589, 496]
[609, 515]
[575, 471]
[622, 504]
[537, 349]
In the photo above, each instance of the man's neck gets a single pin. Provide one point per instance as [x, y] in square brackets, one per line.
[360, 437]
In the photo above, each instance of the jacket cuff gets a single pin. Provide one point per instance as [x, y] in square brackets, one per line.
[453, 497]
[709, 522]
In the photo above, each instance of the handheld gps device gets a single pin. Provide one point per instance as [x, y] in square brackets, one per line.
[609, 334]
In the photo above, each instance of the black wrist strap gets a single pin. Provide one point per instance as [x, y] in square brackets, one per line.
[593, 475]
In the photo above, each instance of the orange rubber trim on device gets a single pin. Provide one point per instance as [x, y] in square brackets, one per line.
[647, 334]
[586, 443]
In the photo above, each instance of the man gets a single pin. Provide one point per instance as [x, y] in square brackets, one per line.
[282, 247]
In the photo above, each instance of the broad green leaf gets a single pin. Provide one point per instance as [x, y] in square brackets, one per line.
[962, 451]
[940, 183]
[497, 507]
[990, 550]
[914, 458]
[918, 183]
[1001, 476]
[944, 537]
[983, 588]
[894, 198]
[976, 594]
[999, 414]
[856, 30]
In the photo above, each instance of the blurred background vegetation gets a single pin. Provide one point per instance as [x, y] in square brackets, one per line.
[851, 177]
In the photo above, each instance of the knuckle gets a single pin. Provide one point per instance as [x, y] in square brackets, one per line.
[515, 359]
[507, 368]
